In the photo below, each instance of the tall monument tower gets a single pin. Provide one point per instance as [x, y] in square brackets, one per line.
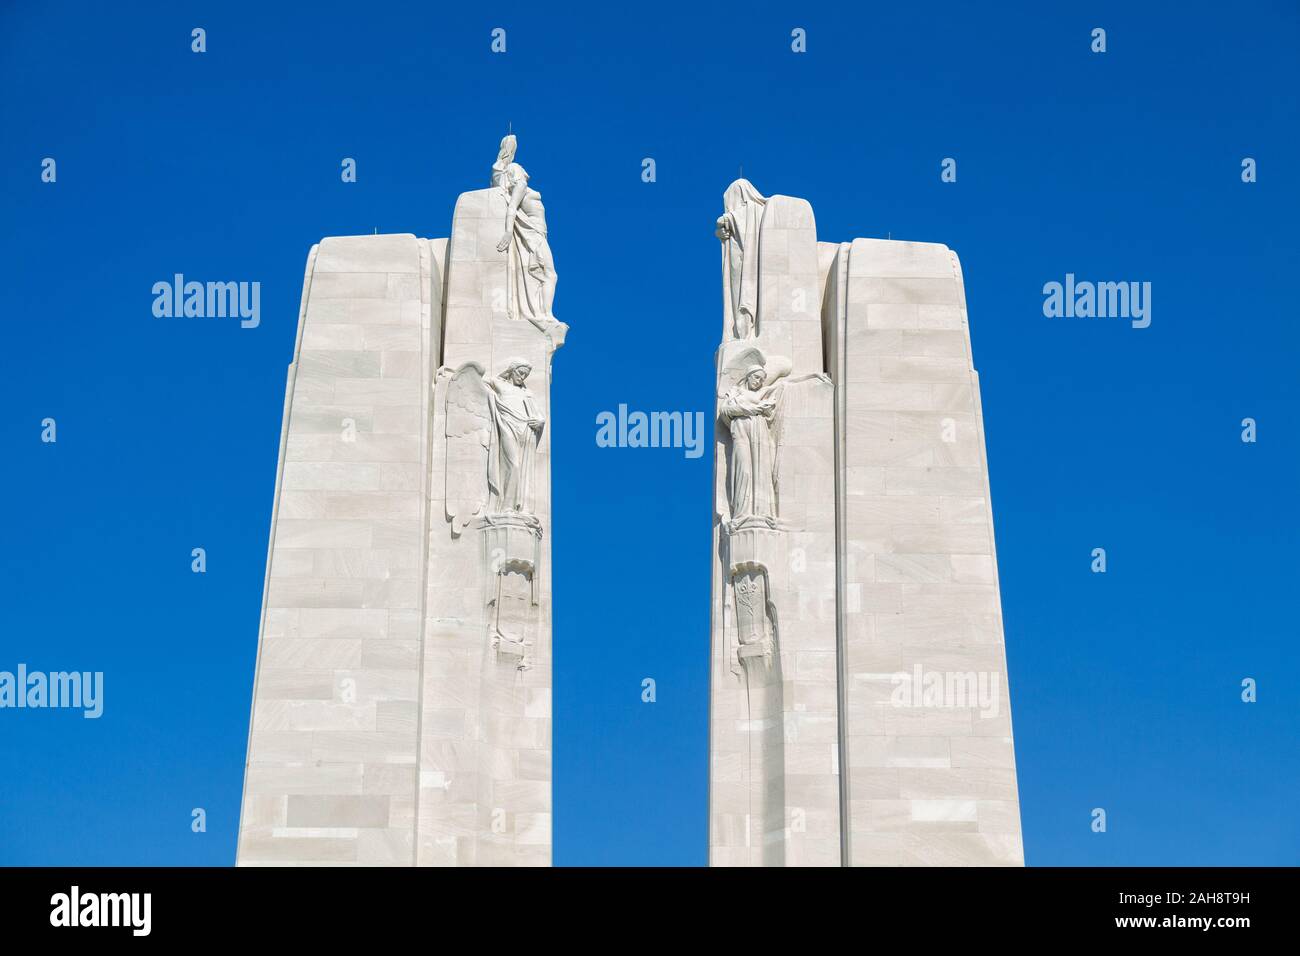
[402, 700]
[859, 705]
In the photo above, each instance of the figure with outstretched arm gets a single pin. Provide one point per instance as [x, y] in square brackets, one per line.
[750, 410]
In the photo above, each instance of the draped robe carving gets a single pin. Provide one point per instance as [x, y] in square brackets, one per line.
[750, 414]
[530, 267]
[519, 424]
[493, 428]
[738, 228]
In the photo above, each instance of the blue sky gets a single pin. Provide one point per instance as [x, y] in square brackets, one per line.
[1121, 166]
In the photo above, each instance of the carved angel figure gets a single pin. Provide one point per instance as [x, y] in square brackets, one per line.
[493, 428]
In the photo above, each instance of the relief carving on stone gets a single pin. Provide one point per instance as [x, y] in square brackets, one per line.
[755, 614]
[752, 399]
[750, 410]
[493, 427]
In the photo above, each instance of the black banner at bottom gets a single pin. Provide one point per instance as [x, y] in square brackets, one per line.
[337, 905]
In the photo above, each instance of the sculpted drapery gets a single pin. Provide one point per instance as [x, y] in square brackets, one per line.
[749, 410]
[752, 410]
[738, 228]
[530, 268]
[518, 420]
[493, 429]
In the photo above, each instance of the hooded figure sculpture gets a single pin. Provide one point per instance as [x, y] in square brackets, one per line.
[738, 229]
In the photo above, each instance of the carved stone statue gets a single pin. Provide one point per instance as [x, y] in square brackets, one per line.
[738, 229]
[519, 427]
[493, 428]
[751, 411]
[530, 267]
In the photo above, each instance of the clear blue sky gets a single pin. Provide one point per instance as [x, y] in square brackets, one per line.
[225, 166]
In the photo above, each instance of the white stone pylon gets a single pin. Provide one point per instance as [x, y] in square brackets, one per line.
[859, 709]
[402, 700]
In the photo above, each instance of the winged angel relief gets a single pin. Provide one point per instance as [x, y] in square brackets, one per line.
[493, 427]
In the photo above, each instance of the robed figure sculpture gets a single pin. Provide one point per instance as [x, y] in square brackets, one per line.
[738, 228]
[530, 268]
[493, 427]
